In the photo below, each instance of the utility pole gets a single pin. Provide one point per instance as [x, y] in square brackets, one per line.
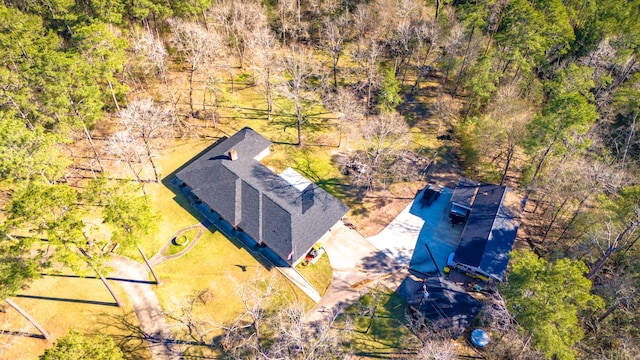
[432, 258]
[146, 261]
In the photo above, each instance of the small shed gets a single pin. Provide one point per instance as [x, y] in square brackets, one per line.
[462, 200]
[447, 306]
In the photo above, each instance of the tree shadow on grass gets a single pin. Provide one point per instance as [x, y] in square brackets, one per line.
[22, 333]
[79, 301]
[95, 277]
[387, 334]
[135, 343]
[130, 337]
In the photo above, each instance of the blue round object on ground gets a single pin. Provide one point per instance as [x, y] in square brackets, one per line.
[479, 338]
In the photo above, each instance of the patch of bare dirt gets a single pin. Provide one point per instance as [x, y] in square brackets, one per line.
[382, 206]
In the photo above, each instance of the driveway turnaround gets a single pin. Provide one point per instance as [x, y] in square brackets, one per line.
[417, 230]
[357, 265]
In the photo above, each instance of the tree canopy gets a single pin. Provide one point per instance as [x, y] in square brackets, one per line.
[546, 297]
[76, 346]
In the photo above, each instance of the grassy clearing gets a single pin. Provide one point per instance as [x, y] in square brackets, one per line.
[318, 274]
[174, 210]
[60, 303]
[219, 266]
[382, 334]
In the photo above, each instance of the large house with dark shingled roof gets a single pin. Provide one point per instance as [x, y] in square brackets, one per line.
[285, 212]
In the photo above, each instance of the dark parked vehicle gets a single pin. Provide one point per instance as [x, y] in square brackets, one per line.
[430, 194]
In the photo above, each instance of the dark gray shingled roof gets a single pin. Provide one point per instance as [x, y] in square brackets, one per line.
[490, 231]
[264, 205]
[448, 306]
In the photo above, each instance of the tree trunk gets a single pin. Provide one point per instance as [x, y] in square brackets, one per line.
[464, 61]
[609, 311]
[627, 142]
[510, 152]
[146, 261]
[553, 220]
[371, 318]
[610, 250]
[111, 291]
[233, 85]
[541, 162]
[150, 157]
[33, 321]
[93, 148]
[191, 73]
[575, 215]
[299, 127]
[113, 95]
[335, 71]
[268, 95]
[204, 17]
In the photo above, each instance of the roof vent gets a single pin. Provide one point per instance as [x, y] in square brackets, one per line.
[233, 154]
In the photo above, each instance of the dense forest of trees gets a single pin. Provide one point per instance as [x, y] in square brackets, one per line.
[543, 96]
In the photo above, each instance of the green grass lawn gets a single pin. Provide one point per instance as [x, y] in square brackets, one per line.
[219, 266]
[59, 303]
[383, 334]
[214, 264]
[318, 274]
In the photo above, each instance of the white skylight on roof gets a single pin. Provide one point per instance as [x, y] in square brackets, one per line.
[294, 179]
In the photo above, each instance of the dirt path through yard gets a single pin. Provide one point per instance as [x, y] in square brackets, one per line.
[134, 279]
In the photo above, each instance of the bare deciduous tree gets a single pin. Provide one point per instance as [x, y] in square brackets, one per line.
[240, 22]
[298, 68]
[349, 110]
[333, 41]
[614, 237]
[290, 20]
[153, 52]
[245, 335]
[268, 330]
[505, 128]
[298, 340]
[197, 45]
[383, 137]
[263, 48]
[431, 345]
[126, 149]
[366, 56]
[147, 122]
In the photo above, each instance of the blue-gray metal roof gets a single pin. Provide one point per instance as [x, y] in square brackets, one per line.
[464, 193]
[490, 231]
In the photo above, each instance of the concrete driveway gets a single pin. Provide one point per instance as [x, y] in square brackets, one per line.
[357, 265]
[417, 227]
